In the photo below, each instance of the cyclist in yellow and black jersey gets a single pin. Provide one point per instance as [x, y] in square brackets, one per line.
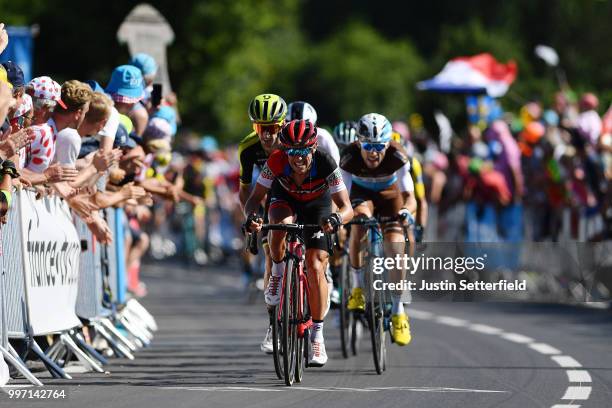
[267, 113]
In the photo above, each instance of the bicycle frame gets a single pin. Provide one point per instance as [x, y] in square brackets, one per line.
[296, 251]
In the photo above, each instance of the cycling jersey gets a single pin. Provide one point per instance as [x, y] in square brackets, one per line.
[250, 154]
[323, 176]
[394, 167]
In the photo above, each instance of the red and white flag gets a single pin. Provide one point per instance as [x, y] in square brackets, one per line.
[480, 73]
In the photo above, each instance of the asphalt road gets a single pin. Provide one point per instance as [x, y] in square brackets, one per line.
[206, 354]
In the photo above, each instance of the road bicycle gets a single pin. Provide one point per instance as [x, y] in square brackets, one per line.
[377, 313]
[291, 320]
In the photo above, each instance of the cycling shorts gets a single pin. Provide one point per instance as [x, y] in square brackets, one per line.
[387, 202]
[307, 212]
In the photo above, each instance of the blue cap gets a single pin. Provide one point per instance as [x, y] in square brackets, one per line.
[94, 85]
[209, 144]
[168, 114]
[145, 63]
[122, 138]
[126, 81]
[88, 146]
[14, 74]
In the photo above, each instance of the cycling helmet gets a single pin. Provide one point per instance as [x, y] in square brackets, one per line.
[267, 109]
[298, 134]
[301, 110]
[374, 128]
[345, 133]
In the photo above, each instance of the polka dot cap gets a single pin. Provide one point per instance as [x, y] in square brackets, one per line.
[46, 88]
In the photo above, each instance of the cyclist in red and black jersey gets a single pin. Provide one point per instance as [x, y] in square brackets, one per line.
[302, 182]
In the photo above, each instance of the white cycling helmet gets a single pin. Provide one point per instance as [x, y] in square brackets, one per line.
[301, 111]
[374, 128]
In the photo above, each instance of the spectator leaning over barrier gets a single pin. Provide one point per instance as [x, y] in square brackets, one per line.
[69, 144]
[45, 93]
[106, 135]
[72, 105]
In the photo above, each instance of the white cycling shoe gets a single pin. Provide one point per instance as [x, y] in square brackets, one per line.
[272, 292]
[317, 357]
[266, 345]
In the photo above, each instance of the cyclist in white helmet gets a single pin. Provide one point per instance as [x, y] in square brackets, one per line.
[375, 170]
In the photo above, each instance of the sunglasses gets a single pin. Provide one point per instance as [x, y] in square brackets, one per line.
[268, 128]
[377, 147]
[298, 152]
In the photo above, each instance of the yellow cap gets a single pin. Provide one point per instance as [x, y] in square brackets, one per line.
[4, 77]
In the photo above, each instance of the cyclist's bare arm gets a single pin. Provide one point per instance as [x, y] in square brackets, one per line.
[254, 200]
[342, 201]
[243, 194]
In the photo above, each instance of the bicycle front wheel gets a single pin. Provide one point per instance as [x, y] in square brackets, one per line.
[375, 316]
[276, 346]
[288, 323]
[346, 316]
[302, 314]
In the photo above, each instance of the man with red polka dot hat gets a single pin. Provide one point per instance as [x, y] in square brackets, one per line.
[45, 94]
[72, 106]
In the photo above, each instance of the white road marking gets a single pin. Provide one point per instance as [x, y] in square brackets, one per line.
[485, 329]
[436, 389]
[579, 376]
[565, 406]
[333, 389]
[237, 389]
[517, 338]
[451, 321]
[544, 348]
[566, 361]
[420, 314]
[577, 393]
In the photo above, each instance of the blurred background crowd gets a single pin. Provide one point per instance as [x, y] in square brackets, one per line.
[533, 165]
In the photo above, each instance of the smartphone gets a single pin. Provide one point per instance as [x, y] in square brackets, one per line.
[156, 95]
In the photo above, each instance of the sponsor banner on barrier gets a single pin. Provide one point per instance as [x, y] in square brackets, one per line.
[52, 263]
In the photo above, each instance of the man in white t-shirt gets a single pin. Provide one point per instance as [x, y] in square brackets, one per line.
[68, 142]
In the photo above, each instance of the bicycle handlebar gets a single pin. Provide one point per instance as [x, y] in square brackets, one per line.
[375, 220]
[252, 236]
[288, 227]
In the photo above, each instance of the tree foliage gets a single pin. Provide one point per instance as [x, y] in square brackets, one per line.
[346, 57]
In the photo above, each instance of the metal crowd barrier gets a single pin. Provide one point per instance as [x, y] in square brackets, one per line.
[90, 294]
[49, 258]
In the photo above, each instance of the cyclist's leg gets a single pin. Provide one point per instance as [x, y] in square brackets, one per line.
[265, 244]
[281, 211]
[394, 244]
[317, 257]
[363, 207]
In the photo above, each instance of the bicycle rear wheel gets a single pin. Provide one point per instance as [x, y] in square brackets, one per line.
[375, 314]
[346, 316]
[289, 328]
